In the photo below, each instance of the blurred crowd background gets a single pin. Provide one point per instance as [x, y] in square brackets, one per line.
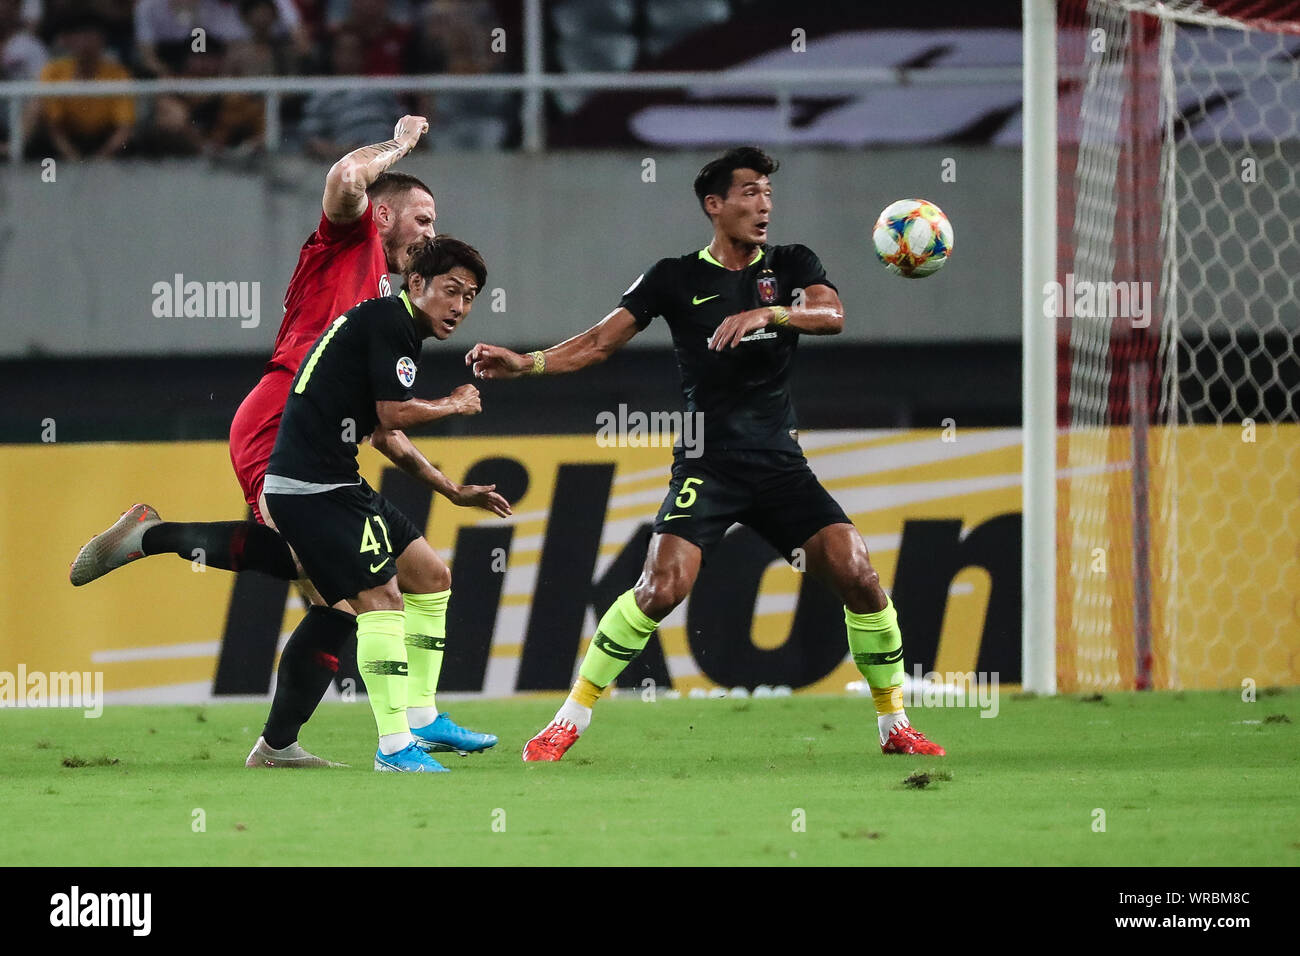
[55, 40]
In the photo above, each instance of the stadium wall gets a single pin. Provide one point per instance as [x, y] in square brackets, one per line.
[191, 398]
[89, 261]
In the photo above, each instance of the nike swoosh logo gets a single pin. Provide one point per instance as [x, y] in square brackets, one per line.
[696, 300]
[671, 517]
[376, 567]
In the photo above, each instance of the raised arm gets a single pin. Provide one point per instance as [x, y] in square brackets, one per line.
[587, 348]
[348, 179]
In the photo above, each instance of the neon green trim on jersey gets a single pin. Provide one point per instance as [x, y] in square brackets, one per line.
[708, 257]
[315, 355]
[402, 295]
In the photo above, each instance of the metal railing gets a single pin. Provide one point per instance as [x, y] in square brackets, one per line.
[780, 85]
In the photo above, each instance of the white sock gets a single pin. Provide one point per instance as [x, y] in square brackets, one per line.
[574, 713]
[887, 722]
[421, 716]
[390, 744]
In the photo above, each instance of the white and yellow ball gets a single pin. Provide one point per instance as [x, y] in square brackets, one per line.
[913, 238]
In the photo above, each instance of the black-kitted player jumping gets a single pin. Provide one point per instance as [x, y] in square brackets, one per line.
[354, 544]
[735, 325]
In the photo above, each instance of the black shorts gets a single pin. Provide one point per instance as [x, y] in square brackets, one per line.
[347, 539]
[773, 492]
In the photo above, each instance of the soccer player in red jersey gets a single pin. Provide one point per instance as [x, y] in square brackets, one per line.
[369, 218]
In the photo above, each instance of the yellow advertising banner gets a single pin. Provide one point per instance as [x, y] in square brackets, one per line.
[939, 510]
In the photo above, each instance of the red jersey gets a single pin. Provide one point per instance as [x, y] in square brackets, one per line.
[340, 265]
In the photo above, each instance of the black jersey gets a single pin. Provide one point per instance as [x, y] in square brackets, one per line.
[369, 354]
[743, 392]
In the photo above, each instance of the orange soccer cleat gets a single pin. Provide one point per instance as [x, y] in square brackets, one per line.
[551, 743]
[908, 740]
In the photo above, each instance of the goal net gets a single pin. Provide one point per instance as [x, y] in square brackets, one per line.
[1178, 304]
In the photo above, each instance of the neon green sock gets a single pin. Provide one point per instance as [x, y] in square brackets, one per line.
[381, 658]
[426, 638]
[620, 636]
[877, 646]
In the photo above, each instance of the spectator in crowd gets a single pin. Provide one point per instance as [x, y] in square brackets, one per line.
[384, 41]
[267, 50]
[115, 16]
[336, 11]
[240, 124]
[315, 22]
[77, 126]
[447, 30]
[21, 55]
[164, 30]
[194, 124]
[339, 121]
[287, 24]
[455, 37]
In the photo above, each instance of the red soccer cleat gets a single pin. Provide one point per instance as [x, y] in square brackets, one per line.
[551, 744]
[909, 740]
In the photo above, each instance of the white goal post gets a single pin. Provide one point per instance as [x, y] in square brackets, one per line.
[1038, 386]
[1162, 402]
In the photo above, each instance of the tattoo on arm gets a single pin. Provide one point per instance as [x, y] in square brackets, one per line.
[373, 160]
[345, 196]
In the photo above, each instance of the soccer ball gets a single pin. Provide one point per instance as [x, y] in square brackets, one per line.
[913, 238]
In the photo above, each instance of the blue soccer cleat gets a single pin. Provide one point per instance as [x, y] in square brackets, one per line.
[444, 734]
[410, 759]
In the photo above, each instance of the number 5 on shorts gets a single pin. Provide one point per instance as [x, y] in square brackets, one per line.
[687, 496]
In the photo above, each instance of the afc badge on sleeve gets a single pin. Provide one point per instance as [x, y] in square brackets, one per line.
[405, 371]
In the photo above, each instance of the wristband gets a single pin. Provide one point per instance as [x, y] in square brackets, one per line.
[780, 315]
[539, 363]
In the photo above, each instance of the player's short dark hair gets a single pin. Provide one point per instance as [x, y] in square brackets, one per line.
[438, 256]
[389, 185]
[715, 178]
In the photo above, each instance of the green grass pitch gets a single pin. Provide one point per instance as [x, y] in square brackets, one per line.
[1183, 779]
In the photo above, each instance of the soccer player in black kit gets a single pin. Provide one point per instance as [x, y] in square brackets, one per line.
[735, 322]
[354, 545]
